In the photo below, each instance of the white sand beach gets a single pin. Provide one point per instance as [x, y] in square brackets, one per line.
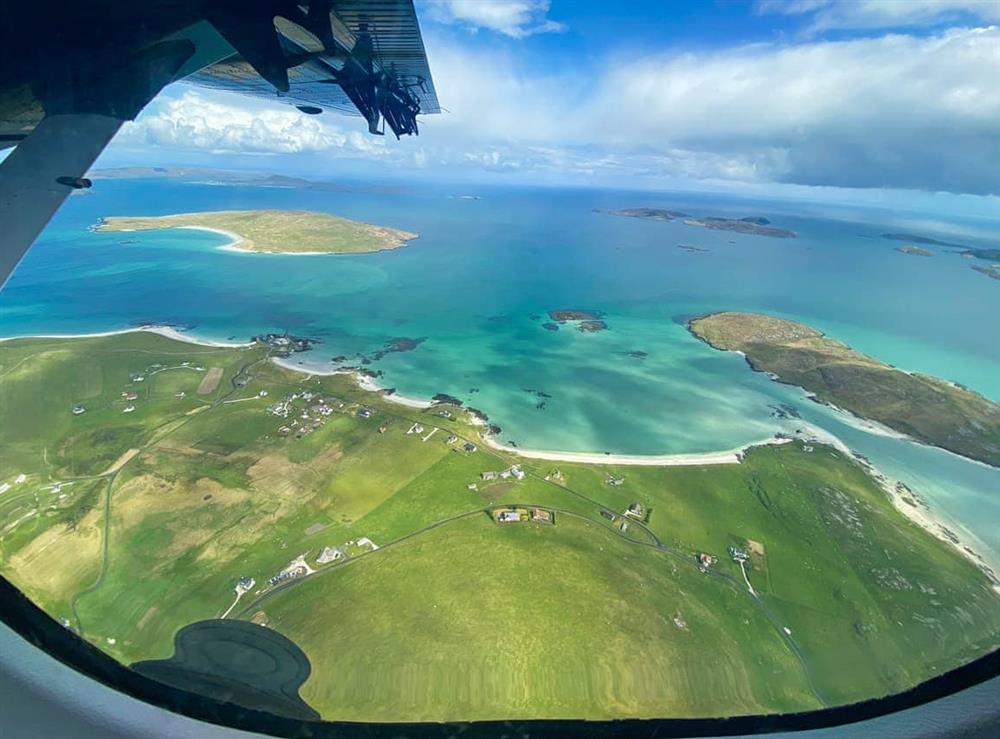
[167, 331]
[731, 456]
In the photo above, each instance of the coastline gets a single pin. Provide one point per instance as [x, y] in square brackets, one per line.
[234, 238]
[166, 331]
[364, 382]
[912, 505]
[729, 456]
[907, 501]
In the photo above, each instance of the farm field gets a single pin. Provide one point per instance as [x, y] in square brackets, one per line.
[128, 525]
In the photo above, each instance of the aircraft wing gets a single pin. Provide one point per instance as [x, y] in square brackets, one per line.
[69, 82]
[391, 28]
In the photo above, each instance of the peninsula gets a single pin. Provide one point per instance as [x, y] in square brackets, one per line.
[928, 409]
[275, 231]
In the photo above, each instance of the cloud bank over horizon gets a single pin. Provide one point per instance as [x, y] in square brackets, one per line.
[895, 109]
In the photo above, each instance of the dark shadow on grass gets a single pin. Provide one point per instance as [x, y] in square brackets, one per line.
[236, 662]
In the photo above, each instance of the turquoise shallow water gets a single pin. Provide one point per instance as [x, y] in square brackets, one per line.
[483, 270]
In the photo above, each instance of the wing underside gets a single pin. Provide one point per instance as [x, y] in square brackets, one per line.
[391, 31]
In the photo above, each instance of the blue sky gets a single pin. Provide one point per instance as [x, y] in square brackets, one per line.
[859, 99]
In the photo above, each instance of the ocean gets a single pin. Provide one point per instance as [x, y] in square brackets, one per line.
[478, 283]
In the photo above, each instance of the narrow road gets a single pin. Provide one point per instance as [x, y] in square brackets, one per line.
[155, 438]
[654, 541]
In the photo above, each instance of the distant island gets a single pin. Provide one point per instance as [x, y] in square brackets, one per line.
[990, 255]
[917, 251]
[653, 214]
[275, 231]
[236, 179]
[917, 239]
[990, 270]
[928, 409]
[752, 225]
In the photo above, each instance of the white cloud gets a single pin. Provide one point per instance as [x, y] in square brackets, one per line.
[514, 18]
[230, 123]
[869, 14]
[895, 111]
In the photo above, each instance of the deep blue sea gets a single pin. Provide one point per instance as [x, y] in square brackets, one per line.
[482, 272]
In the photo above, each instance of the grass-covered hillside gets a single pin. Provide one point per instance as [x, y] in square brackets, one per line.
[130, 525]
[931, 410]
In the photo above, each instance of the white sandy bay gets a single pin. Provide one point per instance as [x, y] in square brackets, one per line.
[233, 246]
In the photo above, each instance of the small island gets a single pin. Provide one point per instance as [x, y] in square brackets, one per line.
[990, 255]
[990, 270]
[752, 225]
[917, 251]
[587, 321]
[653, 214]
[918, 239]
[275, 231]
[925, 408]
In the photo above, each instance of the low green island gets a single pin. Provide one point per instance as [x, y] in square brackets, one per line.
[917, 251]
[928, 409]
[275, 231]
[751, 225]
[152, 484]
[990, 270]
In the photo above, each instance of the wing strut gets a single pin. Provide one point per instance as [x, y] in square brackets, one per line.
[80, 120]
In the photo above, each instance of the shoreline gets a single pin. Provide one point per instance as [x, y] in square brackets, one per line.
[916, 509]
[680, 459]
[165, 331]
[234, 238]
[919, 513]
[364, 382]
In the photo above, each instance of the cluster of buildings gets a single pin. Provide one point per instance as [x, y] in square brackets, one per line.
[308, 419]
[130, 396]
[635, 510]
[296, 568]
[520, 515]
[514, 471]
[738, 555]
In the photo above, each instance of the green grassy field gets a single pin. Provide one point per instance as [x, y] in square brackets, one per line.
[277, 231]
[130, 526]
